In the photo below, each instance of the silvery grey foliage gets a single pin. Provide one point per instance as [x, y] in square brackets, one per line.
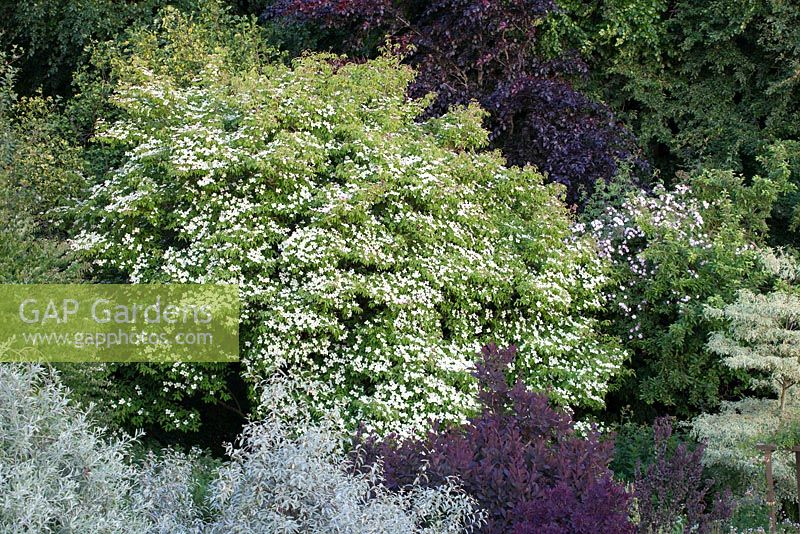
[289, 478]
[58, 471]
[289, 474]
[61, 473]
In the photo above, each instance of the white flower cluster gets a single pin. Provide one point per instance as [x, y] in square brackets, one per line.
[623, 235]
[370, 254]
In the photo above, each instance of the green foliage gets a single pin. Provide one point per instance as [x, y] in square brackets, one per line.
[41, 169]
[752, 516]
[190, 47]
[673, 252]
[25, 258]
[784, 160]
[634, 447]
[39, 174]
[373, 250]
[712, 82]
[54, 34]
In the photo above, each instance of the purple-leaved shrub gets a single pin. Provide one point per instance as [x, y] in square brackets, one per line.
[519, 458]
[672, 490]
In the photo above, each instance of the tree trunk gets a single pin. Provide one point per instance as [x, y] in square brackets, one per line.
[784, 387]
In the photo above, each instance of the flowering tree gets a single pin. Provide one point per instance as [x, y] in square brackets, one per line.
[373, 251]
[673, 251]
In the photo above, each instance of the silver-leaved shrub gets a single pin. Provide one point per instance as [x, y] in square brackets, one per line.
[59, 472]
[375, 252]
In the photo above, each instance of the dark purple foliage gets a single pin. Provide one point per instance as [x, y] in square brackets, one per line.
[520, 459]
[361, 15]
[574, 140]
[673, 486]
[479, 50]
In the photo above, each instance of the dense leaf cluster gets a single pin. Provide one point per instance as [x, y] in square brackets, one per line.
[672, 252]
[519, 458]
[712, 82]
[52, 37]
[468, 50]
[673, 488]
